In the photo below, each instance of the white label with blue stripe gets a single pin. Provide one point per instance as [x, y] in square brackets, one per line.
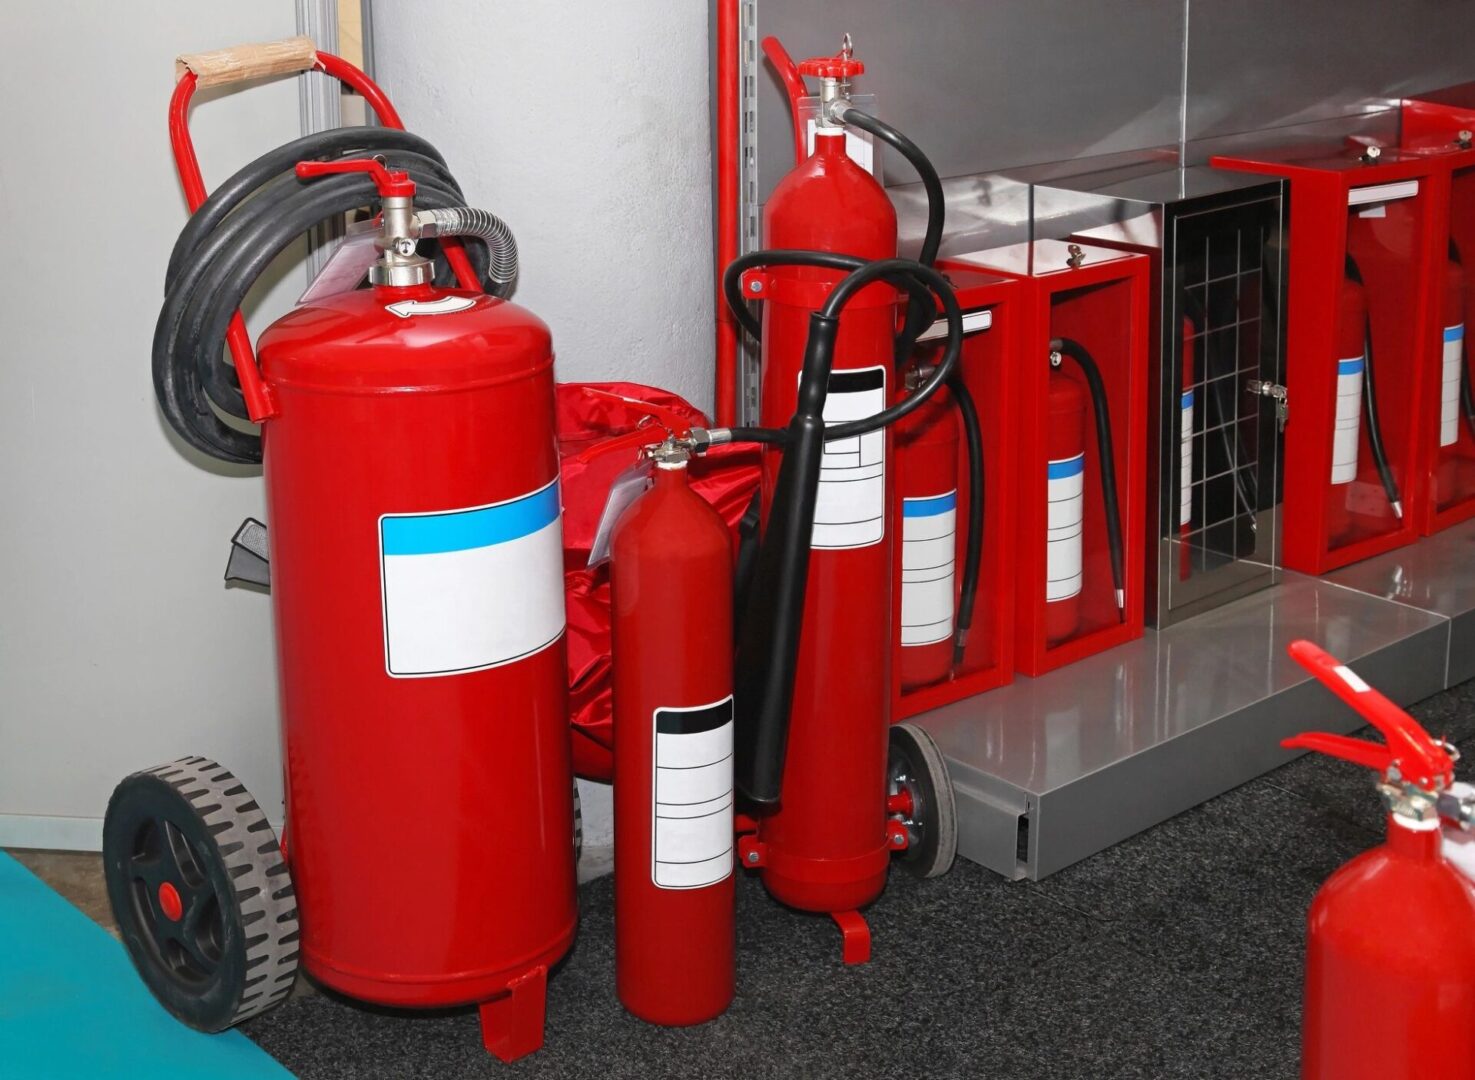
[1066, 521]
[1347, 427]
[1185, 459]
[1449, 391]
[928, 554]
[470, 589]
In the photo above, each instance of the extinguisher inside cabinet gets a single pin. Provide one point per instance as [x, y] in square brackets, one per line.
[955, 630]
[1360, 313]
[1080, 368]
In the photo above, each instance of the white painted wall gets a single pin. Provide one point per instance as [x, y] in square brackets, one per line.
[584, 124]
[119, 645]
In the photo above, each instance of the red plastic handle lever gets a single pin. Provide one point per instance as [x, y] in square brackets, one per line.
[1417, 756]
[390, 182]
[794, 87]
[667, 422]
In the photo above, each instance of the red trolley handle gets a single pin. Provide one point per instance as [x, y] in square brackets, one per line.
[794, 88]
[237, 64]
[1419, 758]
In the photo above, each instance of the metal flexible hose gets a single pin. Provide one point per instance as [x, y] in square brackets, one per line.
[484, 225]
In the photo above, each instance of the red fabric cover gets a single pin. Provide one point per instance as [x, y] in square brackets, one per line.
[726, 476]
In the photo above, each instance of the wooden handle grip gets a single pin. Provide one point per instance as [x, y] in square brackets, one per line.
[242, 62]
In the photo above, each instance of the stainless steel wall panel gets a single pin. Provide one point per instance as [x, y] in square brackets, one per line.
[1255, 64]
[982, 85]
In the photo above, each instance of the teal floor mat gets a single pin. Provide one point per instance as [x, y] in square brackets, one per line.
[71, 1004]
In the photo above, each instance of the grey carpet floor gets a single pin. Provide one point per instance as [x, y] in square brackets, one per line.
[1175, 954]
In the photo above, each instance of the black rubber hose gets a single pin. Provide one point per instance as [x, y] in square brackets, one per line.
[904, 273]
[191, 380]
[767, 654]
[1370, 401]
[919, 315]
[973, 551]
[1106, 458]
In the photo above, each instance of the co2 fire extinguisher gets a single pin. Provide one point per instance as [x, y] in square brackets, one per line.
[1357, 402]
[1068, 402]
[1390, 950]
[671, 577]
[813, 678]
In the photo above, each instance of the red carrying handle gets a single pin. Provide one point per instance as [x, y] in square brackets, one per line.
[259, 403]
[1419, 758]
[794, 88]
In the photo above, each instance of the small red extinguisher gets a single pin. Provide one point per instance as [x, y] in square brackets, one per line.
[1390, 950]
[671, 574]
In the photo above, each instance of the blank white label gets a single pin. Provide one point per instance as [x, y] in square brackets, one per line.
[1066, 518]
[850, 511]
[1449, 391]
[473, 588]
[1185, 458]
[1348, 424]
[928, 554]
[691, 816]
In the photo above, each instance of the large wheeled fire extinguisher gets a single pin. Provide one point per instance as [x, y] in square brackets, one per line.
[671, 576]
[1069, 399]
[1357, 405]
[416, 563]
[815, 638]
[1390, 951]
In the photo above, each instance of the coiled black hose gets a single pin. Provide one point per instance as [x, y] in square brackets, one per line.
[1370, 400]
[237, 231]
[1106, 459]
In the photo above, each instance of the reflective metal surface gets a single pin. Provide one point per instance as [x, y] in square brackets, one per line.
[1437, 574]
[1097, 751]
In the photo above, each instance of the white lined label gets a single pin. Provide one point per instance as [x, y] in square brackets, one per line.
[1066, 481]
[850, 511]
[1185, 458]
[928, 554]
[691, 796]
[469, 589]
[1348, 424]
[1449, 389]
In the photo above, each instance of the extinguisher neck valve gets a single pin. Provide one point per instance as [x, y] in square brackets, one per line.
[399, 263]
[670, 453]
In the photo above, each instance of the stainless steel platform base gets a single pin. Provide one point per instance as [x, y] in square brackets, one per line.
[1050, 770]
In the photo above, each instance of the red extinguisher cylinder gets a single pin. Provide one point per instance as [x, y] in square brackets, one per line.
[826, 843]
[671, 585]
[1346, 435]
[416, 553]
[927, 474]
[1066, 506]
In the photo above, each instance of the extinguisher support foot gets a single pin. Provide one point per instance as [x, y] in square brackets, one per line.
[512, 1025]
[855, 934]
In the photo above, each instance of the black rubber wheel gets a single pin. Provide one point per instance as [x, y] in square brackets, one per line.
[917, 767]
[578, 824]
[201, 893]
